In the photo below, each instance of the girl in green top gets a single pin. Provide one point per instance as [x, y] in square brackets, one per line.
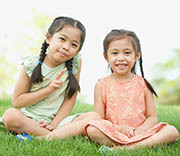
[47, 87]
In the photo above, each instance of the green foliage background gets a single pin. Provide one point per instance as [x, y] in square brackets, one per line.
[27, 42]
[167, 79]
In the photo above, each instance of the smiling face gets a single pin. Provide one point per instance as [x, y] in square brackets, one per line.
[121, 57]
[63, 45]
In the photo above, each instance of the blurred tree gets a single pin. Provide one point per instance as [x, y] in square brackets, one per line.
[31, 38]
[166, 79]
[7, 74]
[28, 41]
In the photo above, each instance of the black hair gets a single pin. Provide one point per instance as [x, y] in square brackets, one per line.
[120, 34]
[58, 24]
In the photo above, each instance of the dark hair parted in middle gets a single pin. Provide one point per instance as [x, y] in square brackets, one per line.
[132, 37]
[58, 24]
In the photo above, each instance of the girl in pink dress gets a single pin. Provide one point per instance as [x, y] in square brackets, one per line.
[125, 101]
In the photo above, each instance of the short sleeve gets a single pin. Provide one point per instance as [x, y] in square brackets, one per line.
[76, 63]
[30, 63]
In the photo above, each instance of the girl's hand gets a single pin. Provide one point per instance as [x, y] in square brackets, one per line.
[125, 129]
[43, 124]
[56, 83]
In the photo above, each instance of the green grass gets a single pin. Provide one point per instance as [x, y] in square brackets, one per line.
[79, 146]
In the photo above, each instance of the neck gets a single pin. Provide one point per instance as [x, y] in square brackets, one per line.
[123, 78]
[50, 62]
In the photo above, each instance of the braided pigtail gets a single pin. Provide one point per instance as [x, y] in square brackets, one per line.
[37, 74]
[73, 84]
[147, 83]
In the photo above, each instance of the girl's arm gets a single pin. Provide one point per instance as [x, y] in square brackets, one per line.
[151, 114]
[98, 101]
[23, 98]
[66, 107]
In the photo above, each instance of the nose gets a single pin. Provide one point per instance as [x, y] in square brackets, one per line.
[66, 46]
[120, 56]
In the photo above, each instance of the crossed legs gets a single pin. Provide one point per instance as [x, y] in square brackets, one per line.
[15, 120]
[165, 135]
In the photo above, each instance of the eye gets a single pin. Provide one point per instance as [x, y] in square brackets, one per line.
[127, 52]
[62, 38]
[114, 52]
[74, 45]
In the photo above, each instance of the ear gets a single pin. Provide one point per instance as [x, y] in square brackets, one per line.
[138, 56]
[48, 37]
[105, 56]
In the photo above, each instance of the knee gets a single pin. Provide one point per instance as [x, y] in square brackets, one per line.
[93, 116]
[173, 133]
[92, 132]
[10, 117]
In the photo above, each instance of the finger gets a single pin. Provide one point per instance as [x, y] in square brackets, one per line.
[58, 76]
[57, 82]
[135, 132]
[128, 133]
[43, 125]
[56, 86]
[41, 121]
[50, 128]
[131, 133]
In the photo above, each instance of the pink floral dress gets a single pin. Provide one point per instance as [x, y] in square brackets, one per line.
[124, 105]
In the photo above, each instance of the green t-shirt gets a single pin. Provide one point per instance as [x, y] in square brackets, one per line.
[48, 107]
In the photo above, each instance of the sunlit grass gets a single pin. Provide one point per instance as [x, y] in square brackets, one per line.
[79, 146]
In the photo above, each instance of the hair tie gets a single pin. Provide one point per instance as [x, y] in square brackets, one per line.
[70, 71]
[40, 62]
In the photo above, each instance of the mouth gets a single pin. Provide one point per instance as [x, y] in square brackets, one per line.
[121, 66]
[63, 54]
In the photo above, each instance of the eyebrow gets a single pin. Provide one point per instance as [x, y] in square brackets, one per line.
[114, 49]
[72, 40]
[127, 49]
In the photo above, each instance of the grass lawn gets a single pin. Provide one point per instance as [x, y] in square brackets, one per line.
[79, 146]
